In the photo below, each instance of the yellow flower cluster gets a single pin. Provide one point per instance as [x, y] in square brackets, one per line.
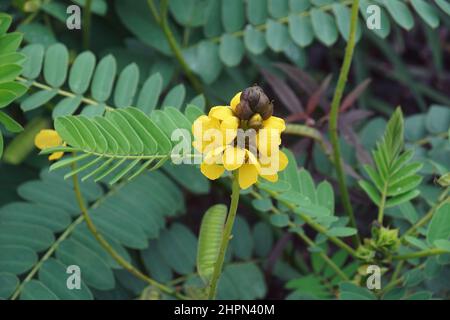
[217, 137]
[48, 138]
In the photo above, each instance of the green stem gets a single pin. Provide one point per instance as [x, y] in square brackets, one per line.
[325, 258]
[396, 273]
[59, 91]
[382, 205]
[341, 244]
[442, 199]
[154, 11]
[334, 113]
[162, 19]
[47, 255]
[420, 254]
[309, 242]
[111, 251]
[397, 281]
[226, 237]
[87, 23]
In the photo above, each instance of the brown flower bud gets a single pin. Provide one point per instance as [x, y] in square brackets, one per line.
[243, 110]
[258, 101]
[252, 95]
[267, 111]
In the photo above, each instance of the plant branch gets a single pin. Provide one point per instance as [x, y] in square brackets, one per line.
[162, 20]
[309, 242]
[60, 92]
[382, 204]
[420, 254]
[87, 23]
[47, 255]
[341, 244]
[110, 250]
[442, 199]
[323, 255]
[226, 237]
[334, 114]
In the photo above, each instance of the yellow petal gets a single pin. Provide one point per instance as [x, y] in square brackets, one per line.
[251, 158]
[211, 171]
[198, 145]
[56, 156]
[214, 156]
[268, 141]
[283, 161]
[230, 123]
[203, 124]
[233, 158]
[47, 138]
[235, 101]
[199, 123]
[269, 164]
[220, 113]
[270, 177]
[229, 128]
[248, 175]
[274, 123]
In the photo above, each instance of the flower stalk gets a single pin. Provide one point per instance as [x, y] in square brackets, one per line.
[111, 251]
[334, 115]
[235, 189]
[162, 20]
[87, 24]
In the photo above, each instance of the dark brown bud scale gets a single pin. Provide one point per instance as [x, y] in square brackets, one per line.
[267, 111]
[243, 110]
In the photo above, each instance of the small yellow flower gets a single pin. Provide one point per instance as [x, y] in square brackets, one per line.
[243, 136]
[47, 138]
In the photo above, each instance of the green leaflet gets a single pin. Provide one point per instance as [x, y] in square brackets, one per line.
[439, 227]
[124, 142]
[324, 27]
[56, 64]
[277, 35]
[241, 281]
[400, 12]
[36, 290]
[91, 85]
[254, 40]
[8, 283]
[231, 50]
[209, 240]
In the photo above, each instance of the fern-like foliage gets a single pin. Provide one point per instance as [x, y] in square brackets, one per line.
[393, 178]
[300, 200]
[10, 67]
[234, 28]
[123, 142]
[92, 86]
[45, 232]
